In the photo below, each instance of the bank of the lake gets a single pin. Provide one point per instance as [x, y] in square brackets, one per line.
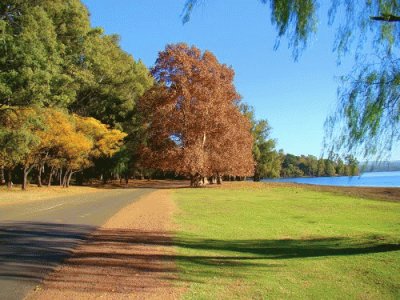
[368, 179]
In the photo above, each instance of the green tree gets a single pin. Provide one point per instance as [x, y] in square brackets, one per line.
[267, 160]
[340, 167]
[330, 169]
[16, 139]
[116, 81]
[321, 168]
[351, 168]
[30, 57]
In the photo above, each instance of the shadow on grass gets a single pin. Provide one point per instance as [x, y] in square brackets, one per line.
[30, 250]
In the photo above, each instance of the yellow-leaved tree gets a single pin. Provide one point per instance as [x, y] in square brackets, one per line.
[52, 140]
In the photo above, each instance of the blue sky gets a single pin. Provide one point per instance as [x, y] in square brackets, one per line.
[295, 97]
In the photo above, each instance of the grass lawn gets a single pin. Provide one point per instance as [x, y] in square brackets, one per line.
[279, 242]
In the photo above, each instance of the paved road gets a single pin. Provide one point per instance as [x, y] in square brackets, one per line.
[36, 237]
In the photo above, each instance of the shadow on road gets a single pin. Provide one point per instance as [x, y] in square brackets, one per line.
[134, 259]
[29, 250]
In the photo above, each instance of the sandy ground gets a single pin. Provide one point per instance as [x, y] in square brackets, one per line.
[34, 193]
[127, 258]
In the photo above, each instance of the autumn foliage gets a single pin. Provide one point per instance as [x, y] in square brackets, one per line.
[54, 141]
[194, 125]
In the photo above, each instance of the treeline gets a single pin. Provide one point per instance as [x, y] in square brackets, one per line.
[74, 105]
[72, 102]
[271, 163]
[67, 94]
[311, 166]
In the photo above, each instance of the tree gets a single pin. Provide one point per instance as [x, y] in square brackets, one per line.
[267, 160]
[105, 143]
[351, 167]
[51, 138]
[116, 81]
[17, 138]
[29, 56]
[366, 121]
[330, 169]
[194, 125]
[340, 167]
[321, 167]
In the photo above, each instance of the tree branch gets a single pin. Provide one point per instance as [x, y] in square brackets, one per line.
[386, 18]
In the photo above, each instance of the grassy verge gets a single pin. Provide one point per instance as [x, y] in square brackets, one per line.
[34, 193]
[284, 242]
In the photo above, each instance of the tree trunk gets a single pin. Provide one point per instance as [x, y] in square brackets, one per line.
[25, 180]
[9, 179]
[69, 178]
[212, 179]
[205, 181]
[2, 177]
[65, 178]
[50, 176]
[219, 179]
[60, 176]
[195, 180]
[39, 176]
[126, 179]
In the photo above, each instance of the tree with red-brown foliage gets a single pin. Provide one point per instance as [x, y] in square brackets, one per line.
[193, 122]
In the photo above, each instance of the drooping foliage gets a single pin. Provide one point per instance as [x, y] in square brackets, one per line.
[366, 121]
[368, 112]
[194, 124]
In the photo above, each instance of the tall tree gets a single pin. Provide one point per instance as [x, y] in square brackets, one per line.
[30, 57]
[17, 138]
[194, 125]
[267, 159]
[116, 81]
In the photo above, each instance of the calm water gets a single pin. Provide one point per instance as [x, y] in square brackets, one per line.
[382, 179]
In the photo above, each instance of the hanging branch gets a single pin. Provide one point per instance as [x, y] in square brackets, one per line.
[386, 18]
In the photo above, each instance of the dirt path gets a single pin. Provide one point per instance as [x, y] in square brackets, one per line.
[126, 259]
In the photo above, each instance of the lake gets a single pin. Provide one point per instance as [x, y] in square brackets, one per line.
[372, 179]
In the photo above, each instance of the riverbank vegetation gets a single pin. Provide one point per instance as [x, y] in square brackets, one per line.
[289, 242]
[75, 106]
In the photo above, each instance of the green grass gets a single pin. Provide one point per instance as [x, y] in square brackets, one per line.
[286, 242]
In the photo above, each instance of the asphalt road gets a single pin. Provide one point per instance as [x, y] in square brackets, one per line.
[36, 237]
